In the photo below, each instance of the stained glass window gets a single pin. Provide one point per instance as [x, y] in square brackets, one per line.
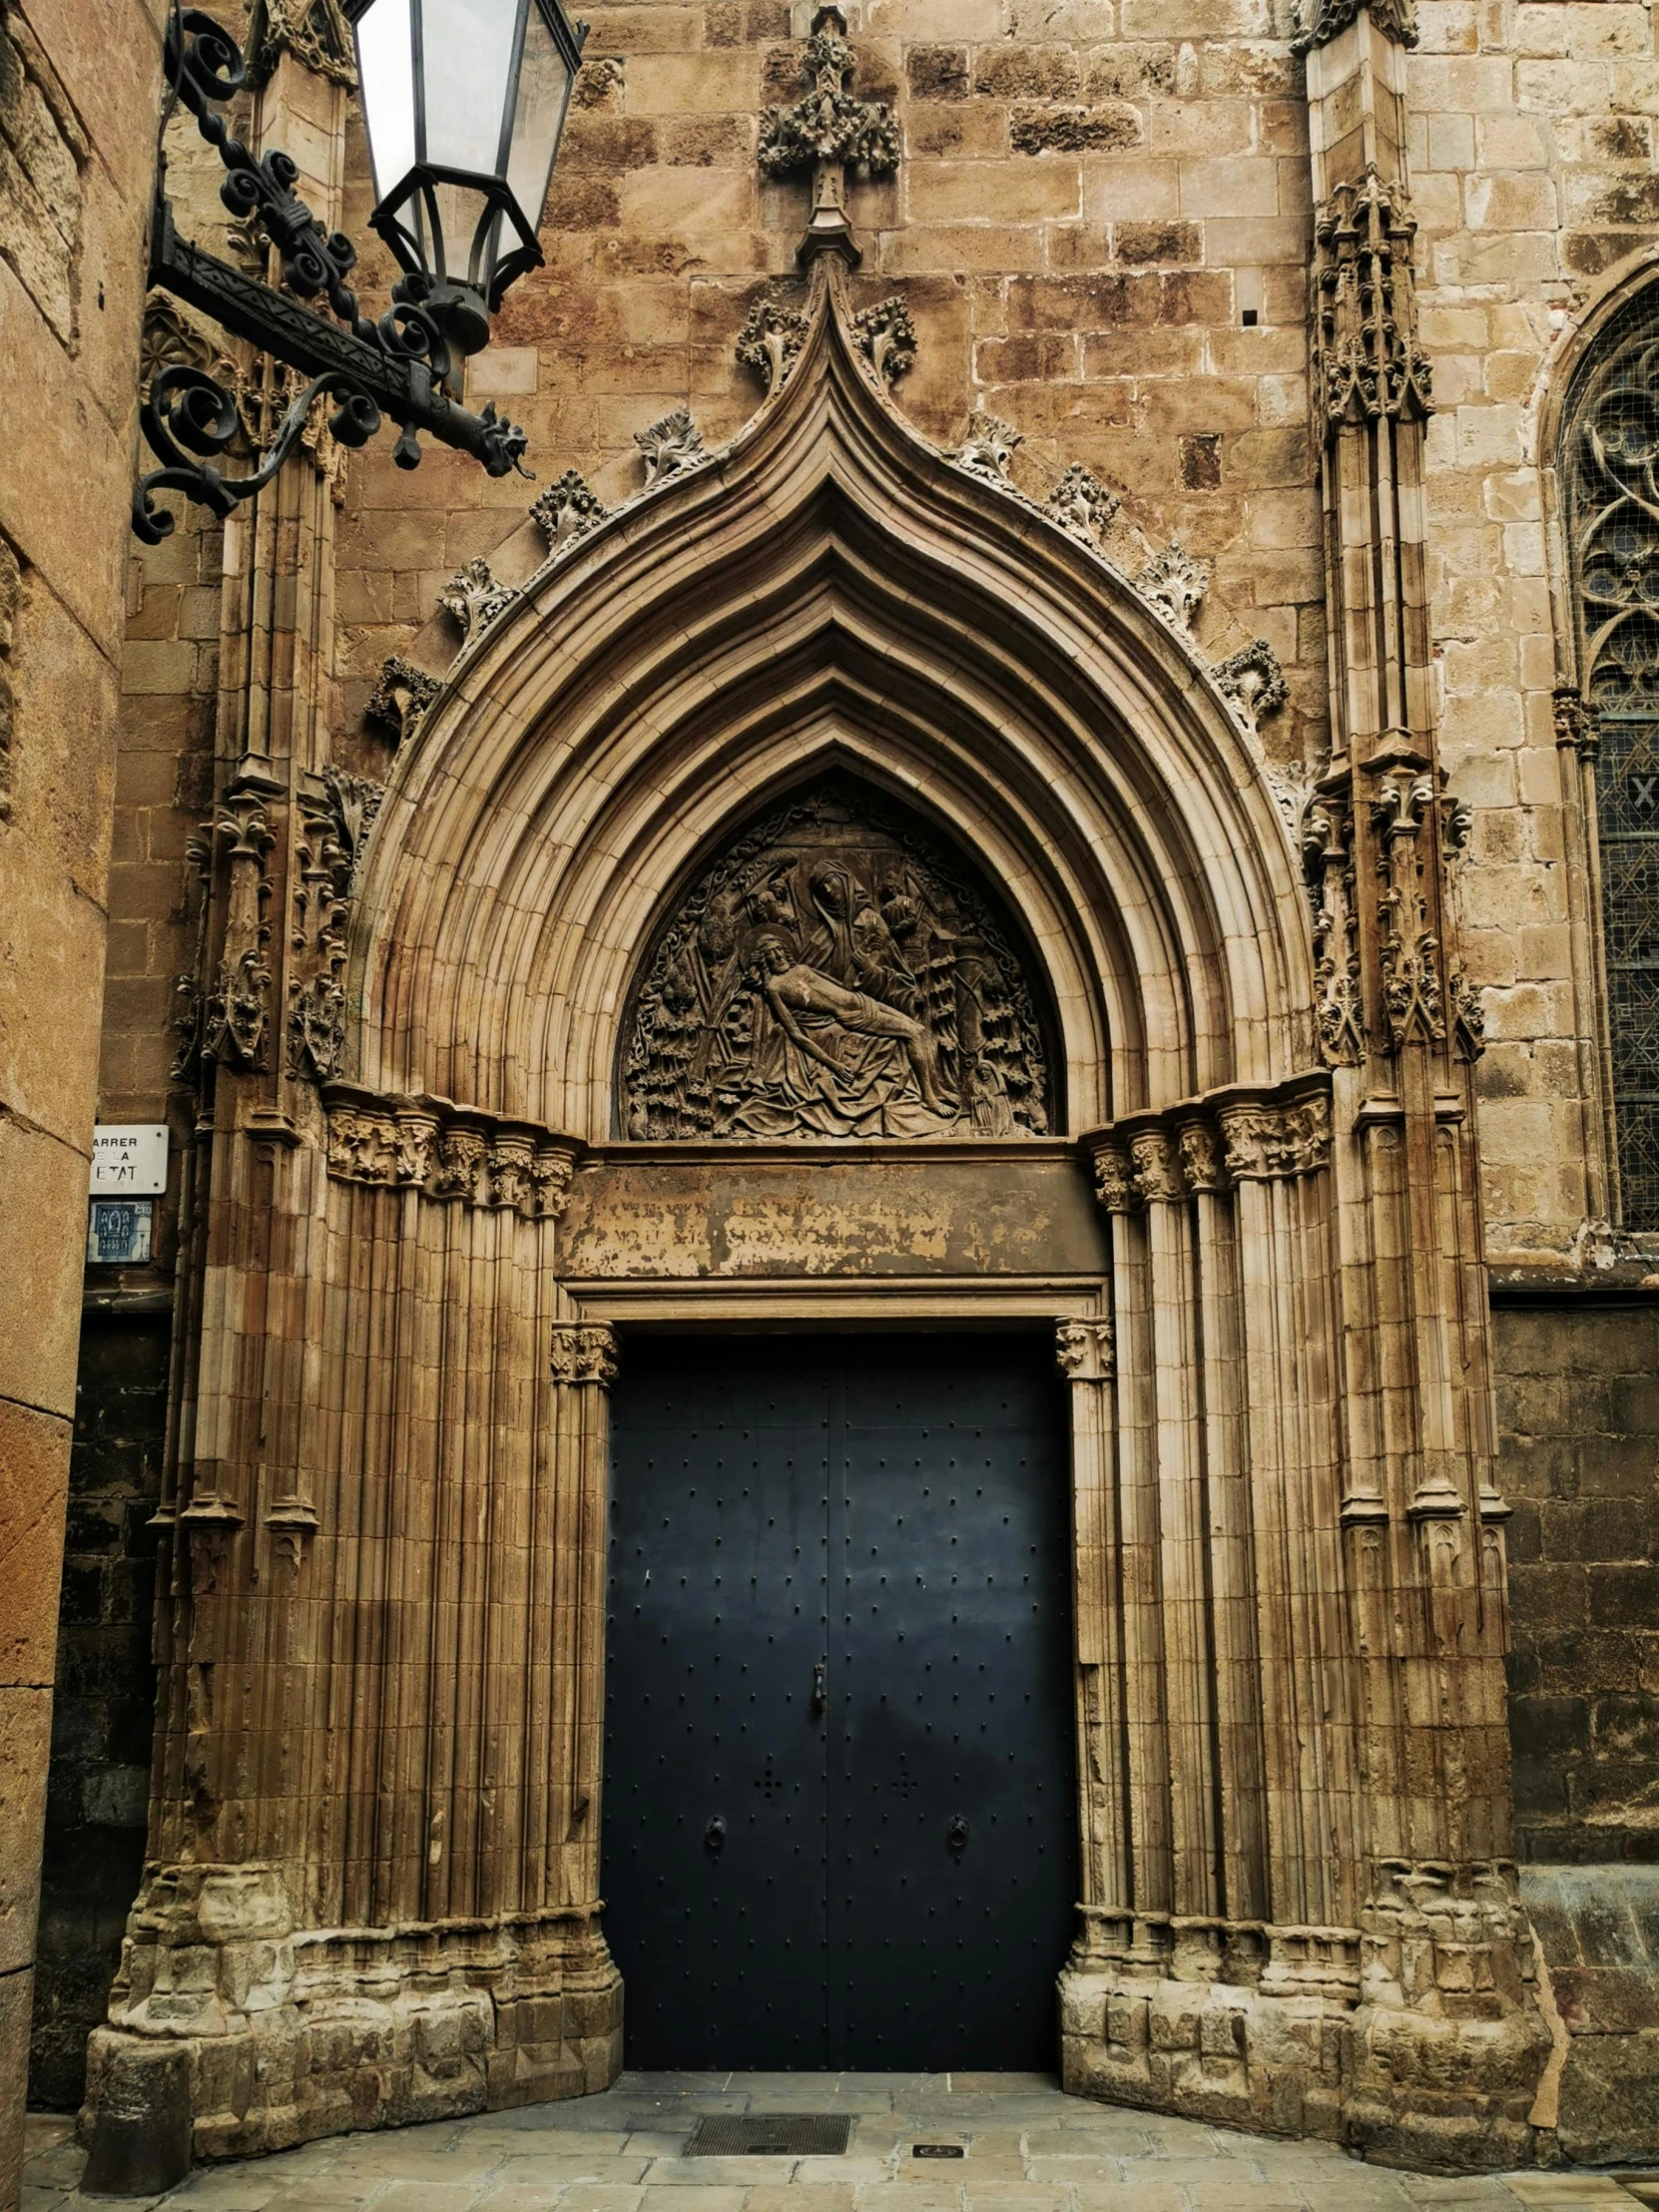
[1611, 480]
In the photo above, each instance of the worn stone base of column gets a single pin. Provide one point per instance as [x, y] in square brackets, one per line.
[290, 2034]
[1402, 2087]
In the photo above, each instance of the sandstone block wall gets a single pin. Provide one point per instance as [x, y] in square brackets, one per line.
[1579, 1406]
[77, 141]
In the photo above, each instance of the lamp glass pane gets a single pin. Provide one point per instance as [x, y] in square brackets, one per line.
[385, 74]
[466, 64]
[543, 96]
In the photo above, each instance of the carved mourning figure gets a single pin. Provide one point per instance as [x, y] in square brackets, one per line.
[832, 976]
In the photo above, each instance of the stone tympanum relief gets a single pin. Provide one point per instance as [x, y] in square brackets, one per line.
[831, 975]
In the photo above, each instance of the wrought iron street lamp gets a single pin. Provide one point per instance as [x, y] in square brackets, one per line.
[465, 101]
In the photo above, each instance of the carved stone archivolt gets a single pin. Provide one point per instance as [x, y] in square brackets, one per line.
[432, 1145]
[834, 975]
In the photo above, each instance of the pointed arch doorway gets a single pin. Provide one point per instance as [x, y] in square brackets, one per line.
[839, 1826]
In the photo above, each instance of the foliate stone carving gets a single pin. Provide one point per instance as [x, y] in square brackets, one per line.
[670, 448]
[567, 510]
[1327, 864]
[1156, 1166]
[1205, 1146]
[988, 447]
[447, 1152]
[1263, 1142]
[1253, 682]
[1082, 504]
[235, 1008]
[886, 338]
[1412, 995]
[1173, 583]
[474, 597]
[828, 125]
[1201, 1161]
[1085, 1350]
[583, 1352]
[335, 823]
[1577, 725]
[832, 976]
[1466, 1013]
[771, 338]
[315, 32]
[1368, 363]
[1324, 20]
[1114, 1180]
[401, 696]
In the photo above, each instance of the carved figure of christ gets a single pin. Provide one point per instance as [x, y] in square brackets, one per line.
[791, 987]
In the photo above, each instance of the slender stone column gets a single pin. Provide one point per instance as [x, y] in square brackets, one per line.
[1446, 2047]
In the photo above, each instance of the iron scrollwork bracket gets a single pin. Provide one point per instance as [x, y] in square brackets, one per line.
[394, 366]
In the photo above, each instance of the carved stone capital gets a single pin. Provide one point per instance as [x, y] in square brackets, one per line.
[583, 1352]
[1205, 1146]
[1086, 1351]
[447, 1152]
[1577, 725]
[1156, 1168]
[1324, 20]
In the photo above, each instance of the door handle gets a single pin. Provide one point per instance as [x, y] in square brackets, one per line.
[714, 1836]
[820, 1702]
[957, 1835]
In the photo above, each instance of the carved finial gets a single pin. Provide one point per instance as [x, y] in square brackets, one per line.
[828, 131]
[988, 447]
[1173, 583]
[888, 338]
[670, 448]
[401, 696]
[475, 597]
[772, 340]
[1252, 680]
[567, 510]
[1081, 503]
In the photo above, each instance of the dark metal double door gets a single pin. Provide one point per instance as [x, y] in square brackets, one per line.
[839, 1820]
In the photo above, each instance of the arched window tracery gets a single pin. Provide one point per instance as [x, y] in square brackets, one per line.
[1610, 476]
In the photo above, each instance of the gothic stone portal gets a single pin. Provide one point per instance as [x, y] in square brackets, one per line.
[833, 976]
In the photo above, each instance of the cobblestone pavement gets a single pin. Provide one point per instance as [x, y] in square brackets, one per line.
[1027, 2148]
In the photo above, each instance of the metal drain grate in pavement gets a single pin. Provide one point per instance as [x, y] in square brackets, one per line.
[770, 2135]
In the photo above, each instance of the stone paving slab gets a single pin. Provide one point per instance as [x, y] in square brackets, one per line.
[1027, 2147]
